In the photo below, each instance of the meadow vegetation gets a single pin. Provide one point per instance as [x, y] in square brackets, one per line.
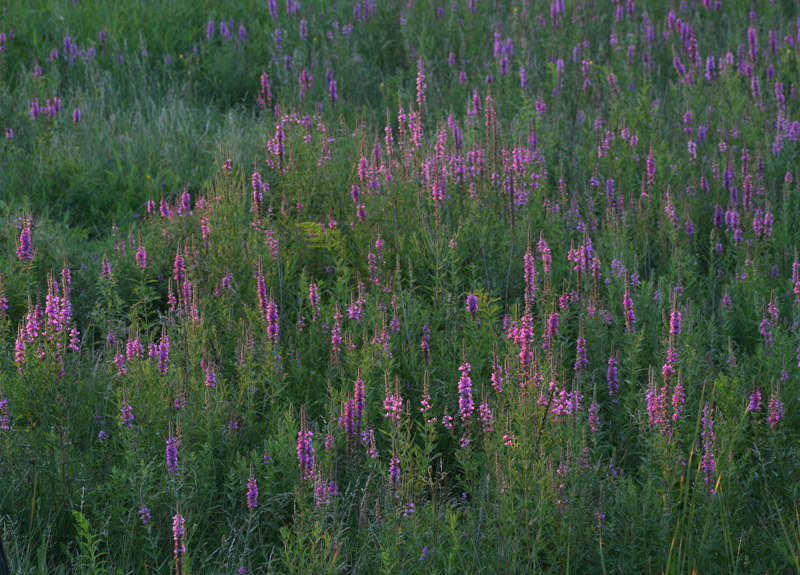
[431, 286]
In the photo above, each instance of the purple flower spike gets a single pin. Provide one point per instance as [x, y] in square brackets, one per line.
[472, 304]
[252, 492]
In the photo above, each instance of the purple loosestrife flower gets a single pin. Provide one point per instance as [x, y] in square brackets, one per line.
[141, 257]
[421, 85]
[3, 298]
[772, 309]
[547, 258]
[105, 268]
[205, 231]
[486, 417]
[472, 305]
[530, 275]
[752, 44]
[651, 168]
[252, 491]
[163, 353]
[305, 450]
[497, 377]
[394, 472]
[594, 418]
[675, 320]
[708, 462]
[180, 401]
[678, 399]
[465, 403]
[393, 403]
[126, 414]
[766, 332]
[313, 297]
[426, 336]
[261, 291]
[368, 440]
[612, 377]
[755, 399]
[171, 453]
[656, 408]
[258, 196]
[144, 514]
[273, 328]
[210, 373]
[775, 408]
[336, 335]
[332, 93]
[5, 420]
[726, 301]
[266, 95]
[180, 268]
[178, 534]
[119, 362]
[25, 248]
[551, 330]
[581, 361]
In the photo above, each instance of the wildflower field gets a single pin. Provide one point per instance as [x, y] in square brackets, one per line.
[418, 286]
